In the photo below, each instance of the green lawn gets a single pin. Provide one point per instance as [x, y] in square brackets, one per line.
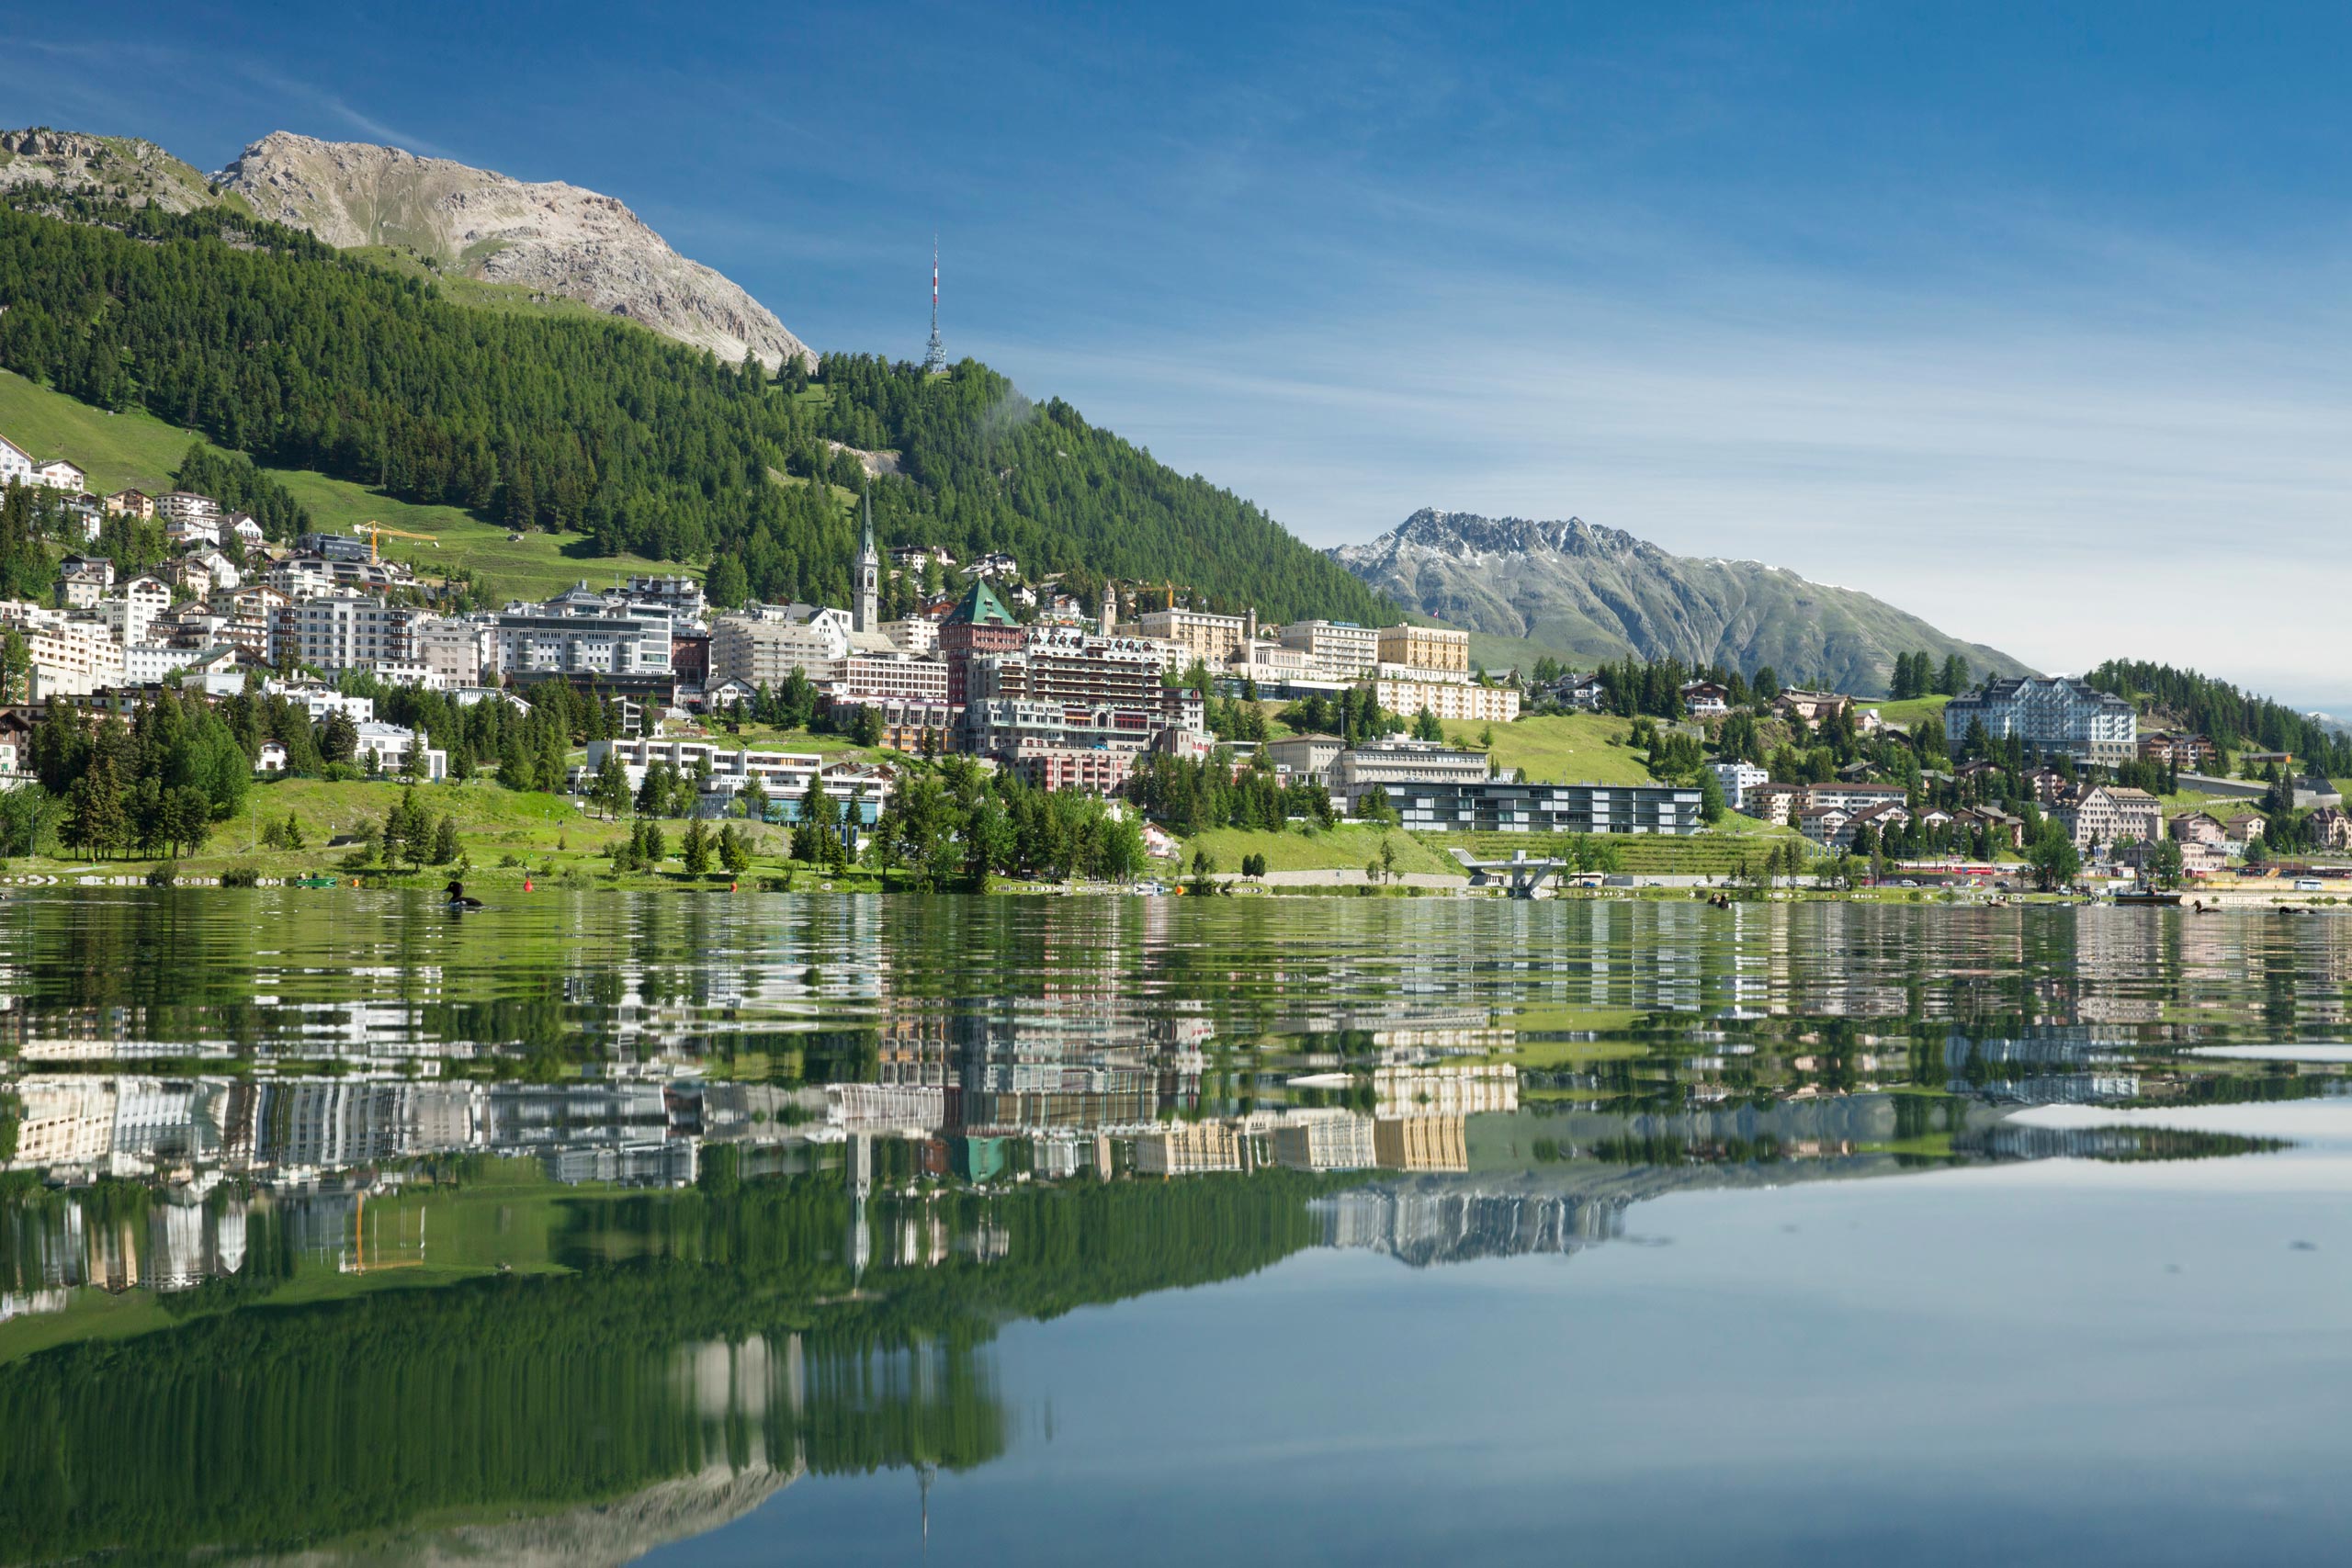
[1909, 711]
[1345, 847]
[1566, 749]
[132, 450]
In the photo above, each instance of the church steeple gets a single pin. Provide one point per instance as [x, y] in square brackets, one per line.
[867, 617]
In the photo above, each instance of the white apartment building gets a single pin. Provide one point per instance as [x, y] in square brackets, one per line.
[187, 506]
[59, 474]
[1209, 639]
[191, 533]
[1737, 779]
[1324, 1140]
[680, 595]
[2053, 714]
[760, 649]
[784, 775]
[15, 465]
[145, 663]
[342, 631]
[634, 642]
[321, 702]
[301, 577]
[914, 635]
[1362, 767]
[72, 658]
[1341, 651]
[874, 678]
[389, 744]
[1453, 701]
[454, 649]
[130, 613]
[1271, 664]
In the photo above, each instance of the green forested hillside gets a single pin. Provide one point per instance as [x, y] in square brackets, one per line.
[134, 449]
[267, 342]
[2232, 719]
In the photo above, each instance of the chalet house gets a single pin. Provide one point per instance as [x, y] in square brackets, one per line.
[59, 474]
[2245, 827]
[2198, 827]
[1706, 699]
[2049, 786]
[272, 759]
[1583, 692]
[1882, 820]
[90, 512]
[132, 504]
[1936, 817]
[2169, 748]
[2005, 829]
[193, 573]
[1811, 706]
[102, 567]
[15, 465]
[249, 532]
[80, 587]
[2330, 828]
[193, 532]
[1823, 823]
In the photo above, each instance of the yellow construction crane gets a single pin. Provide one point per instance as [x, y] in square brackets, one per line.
[375, 530]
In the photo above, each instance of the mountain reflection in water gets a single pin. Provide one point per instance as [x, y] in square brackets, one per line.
[325, 1234]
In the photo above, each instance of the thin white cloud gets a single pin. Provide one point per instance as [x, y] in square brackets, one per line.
[326, 102]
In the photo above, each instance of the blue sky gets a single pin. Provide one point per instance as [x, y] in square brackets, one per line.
[2031, 321]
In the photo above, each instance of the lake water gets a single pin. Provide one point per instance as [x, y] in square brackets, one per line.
[756, 1229]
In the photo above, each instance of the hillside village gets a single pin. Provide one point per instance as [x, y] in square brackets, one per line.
[1199, 719]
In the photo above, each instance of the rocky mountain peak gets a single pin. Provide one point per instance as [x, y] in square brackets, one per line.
[1588, 592]
[68, 160]
[477, 223]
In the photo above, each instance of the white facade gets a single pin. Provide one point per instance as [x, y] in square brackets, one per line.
[1458, 701]
[914, 635]
[635, 642]
[389, 744]
[1737, 779]
[187, 506]
[131, 613]
[59, 474]
[784, 775]
[762, 651]
[73, 658]
[1341, 651]
[145, 663]
[869, 678]
[2059, 714]
[15, 465]
[456, 650]
[342, 631]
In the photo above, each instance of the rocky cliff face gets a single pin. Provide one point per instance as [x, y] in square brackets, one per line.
[122, 167]
[549, 236]
[1592, 593]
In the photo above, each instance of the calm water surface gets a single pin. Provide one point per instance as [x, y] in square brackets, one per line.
[754, 1229]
